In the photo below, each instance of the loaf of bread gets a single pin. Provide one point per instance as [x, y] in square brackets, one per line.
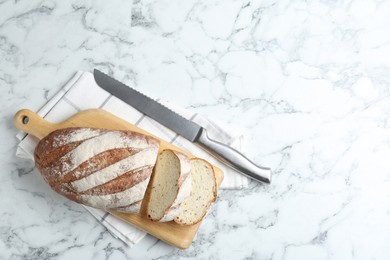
[203, 193]
[111, 170]
[169, 186]
[100, 168]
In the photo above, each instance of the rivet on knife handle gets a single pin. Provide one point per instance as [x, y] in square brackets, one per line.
[234, 158]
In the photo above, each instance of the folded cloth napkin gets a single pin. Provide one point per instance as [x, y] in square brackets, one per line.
[82, 92]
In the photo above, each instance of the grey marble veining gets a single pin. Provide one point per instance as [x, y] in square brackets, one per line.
[308, 83]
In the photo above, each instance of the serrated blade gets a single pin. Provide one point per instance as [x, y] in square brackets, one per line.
[148, 106]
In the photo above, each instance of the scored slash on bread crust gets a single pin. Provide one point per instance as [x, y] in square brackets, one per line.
[66, 156]
[203, 193]
[116, 199]
[122, 169]
[170, 185]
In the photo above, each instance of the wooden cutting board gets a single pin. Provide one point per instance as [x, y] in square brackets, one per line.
[170, 232]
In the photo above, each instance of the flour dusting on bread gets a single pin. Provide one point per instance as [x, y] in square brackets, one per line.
[102, 168]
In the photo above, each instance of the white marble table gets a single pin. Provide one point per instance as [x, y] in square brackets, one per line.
[308, 82]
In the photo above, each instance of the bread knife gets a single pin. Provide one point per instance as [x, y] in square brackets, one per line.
[186, 128]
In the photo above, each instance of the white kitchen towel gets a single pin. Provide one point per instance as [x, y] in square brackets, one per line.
[82, 92]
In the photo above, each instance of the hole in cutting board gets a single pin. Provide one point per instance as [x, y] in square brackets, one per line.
[25, 120]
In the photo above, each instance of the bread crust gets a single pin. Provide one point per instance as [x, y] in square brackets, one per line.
[51, 150]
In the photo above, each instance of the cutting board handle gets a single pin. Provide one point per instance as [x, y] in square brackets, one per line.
[31, 123]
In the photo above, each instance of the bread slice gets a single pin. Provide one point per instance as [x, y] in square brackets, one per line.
[170, 185]
[203, 193]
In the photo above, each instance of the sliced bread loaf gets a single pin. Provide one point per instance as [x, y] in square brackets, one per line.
[203, 193]
[170, 185]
